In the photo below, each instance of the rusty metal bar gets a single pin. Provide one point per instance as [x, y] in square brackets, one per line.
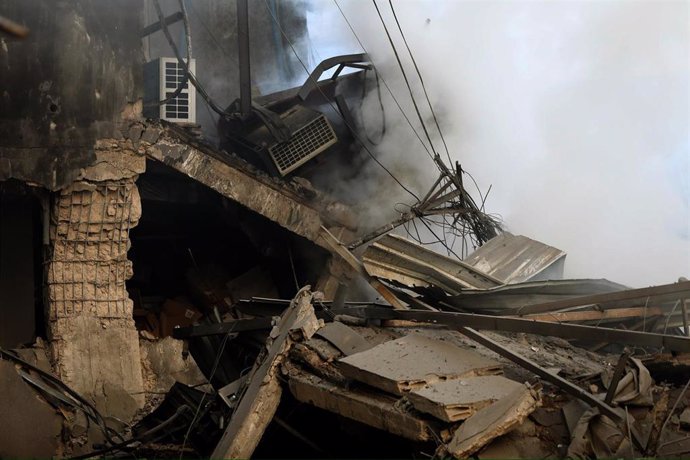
[684, 309]
[12, 28]
[554, 379]
[617, 374]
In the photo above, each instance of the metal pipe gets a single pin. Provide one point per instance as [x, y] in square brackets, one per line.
[245, 71]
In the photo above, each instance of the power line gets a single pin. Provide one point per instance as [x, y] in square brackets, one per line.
[419, 74]
[191, 76]
[385, 83]
[316, 85]
[407, 82]
[347, 21]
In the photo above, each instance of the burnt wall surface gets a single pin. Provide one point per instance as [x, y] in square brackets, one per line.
[213, 25]
[65, 85]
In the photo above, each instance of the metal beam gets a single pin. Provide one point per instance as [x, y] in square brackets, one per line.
[240, 325]
[156, 26]
[338, 248]
[243, 47]
[617, 374]
[506, 324]
[554, 379]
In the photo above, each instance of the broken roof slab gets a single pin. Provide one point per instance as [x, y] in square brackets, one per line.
[458, 399]
[414, 361]
[300, 211]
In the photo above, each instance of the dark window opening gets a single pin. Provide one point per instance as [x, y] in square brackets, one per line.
[22, 315]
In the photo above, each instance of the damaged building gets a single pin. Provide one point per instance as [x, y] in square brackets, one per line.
[177, 278]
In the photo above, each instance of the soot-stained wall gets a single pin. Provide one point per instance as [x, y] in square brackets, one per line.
[65, 85]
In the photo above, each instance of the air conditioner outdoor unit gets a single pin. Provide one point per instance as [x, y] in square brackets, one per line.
[161, 78]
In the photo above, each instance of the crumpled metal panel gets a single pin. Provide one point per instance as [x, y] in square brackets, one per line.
[516, 258]
[397, 259]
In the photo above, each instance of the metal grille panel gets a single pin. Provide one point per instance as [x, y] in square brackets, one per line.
[178, 108]
[305, 144]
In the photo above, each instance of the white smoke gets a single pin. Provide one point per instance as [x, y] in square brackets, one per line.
[577, 113]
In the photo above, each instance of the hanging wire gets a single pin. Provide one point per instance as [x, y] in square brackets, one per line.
[421, 80]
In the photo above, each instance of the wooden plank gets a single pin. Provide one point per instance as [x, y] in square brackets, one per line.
[373, 409]
[595, 315]
[260, 401]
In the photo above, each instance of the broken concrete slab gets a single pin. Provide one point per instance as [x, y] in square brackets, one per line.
[260, 400]
[374, 409]
[116, 402]
[522, 442]
[236, 181]
[413, 361]
[459, 399]
[493, 421]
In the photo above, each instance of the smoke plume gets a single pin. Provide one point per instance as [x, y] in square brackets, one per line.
[577, 114]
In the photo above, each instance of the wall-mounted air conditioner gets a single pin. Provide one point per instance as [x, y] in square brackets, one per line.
[161, 77]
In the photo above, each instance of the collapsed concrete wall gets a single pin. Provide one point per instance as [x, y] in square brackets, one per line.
[94, 342]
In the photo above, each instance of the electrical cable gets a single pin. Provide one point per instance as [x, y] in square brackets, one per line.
[209, 32]
[383, 110]
[92, 413]
[192, 77]
[201, 403]
[182, 84]
[421, 80]
[407, 81]
[180, 410]
[476, 221]
[385, 83]
[352, 128]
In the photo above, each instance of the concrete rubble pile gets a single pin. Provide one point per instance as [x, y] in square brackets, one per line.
[165, 296]
[561, 368]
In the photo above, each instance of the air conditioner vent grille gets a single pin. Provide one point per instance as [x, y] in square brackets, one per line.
[177, 108]
[305, 144]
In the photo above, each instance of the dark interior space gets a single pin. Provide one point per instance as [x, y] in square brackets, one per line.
[303, 431]
[196, 252]
[21, 265]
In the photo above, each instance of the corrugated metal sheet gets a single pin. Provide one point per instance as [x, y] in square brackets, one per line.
[397, 259]
[508, 297]
[516, 258]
